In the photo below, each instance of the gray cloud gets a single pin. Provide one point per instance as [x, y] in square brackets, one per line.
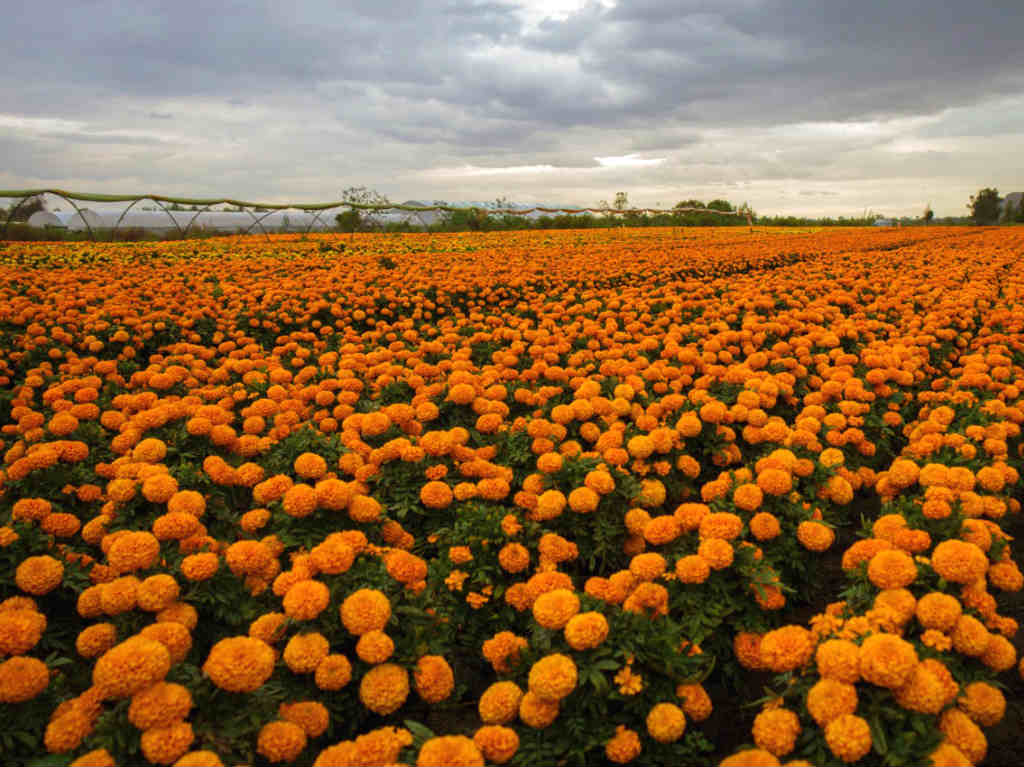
[434, 100]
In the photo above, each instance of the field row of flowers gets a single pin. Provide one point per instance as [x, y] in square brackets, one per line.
[524, 498]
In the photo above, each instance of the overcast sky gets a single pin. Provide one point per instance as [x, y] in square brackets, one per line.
[819, 107]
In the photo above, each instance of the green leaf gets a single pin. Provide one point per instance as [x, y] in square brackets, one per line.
[878, 742]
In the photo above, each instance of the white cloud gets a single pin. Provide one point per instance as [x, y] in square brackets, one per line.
[629, 161]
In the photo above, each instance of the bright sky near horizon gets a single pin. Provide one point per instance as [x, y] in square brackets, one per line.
[794, 106]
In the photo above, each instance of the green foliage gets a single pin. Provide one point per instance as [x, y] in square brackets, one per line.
[984, 206]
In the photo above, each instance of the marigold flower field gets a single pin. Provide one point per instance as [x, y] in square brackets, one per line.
[512, 498]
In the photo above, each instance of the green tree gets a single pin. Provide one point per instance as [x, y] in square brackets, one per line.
[1019, 218]
[985, 206]
[621, 201]
[723, 205]
[928, 214]
[690, 204]
[352, 219]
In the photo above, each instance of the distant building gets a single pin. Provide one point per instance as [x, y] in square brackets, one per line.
[885, 222]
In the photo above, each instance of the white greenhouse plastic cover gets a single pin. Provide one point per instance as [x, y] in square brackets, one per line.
[223, 221]
[42, 218]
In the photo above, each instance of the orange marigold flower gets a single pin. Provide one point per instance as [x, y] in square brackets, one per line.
[848, 737]
[436, 495]
[553, 609]
[98, 757]
[433, 678]
[666, 722]
[311, 716]
[862, 551]
[537, 712]
[553, 677]
[502, 650]
[497, 744]
[305, 600]
[815, 536]
[721, 525]
[964, 734]
[450, 750]
[892, 569]
[157, 592]
[959, 561]
[624, 747]
[365, 610]
[923, 692]
[39, 575]
[765, 526]
[375, 647]
[95, 640]
[887, 660]
[586, 631]
[786, 648]
[239, 664]
[200, 567]
[131, 666]
[333, 672]
[310, 466]
[160, 705]
[22, 679]
[717, 552]
[692, 569]
[937, 610]
[384, 688]
[983, 703]
[304, 652]
[499, 703]
[514, 557]
[281, 741]
[829, 699]
[776, 730]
